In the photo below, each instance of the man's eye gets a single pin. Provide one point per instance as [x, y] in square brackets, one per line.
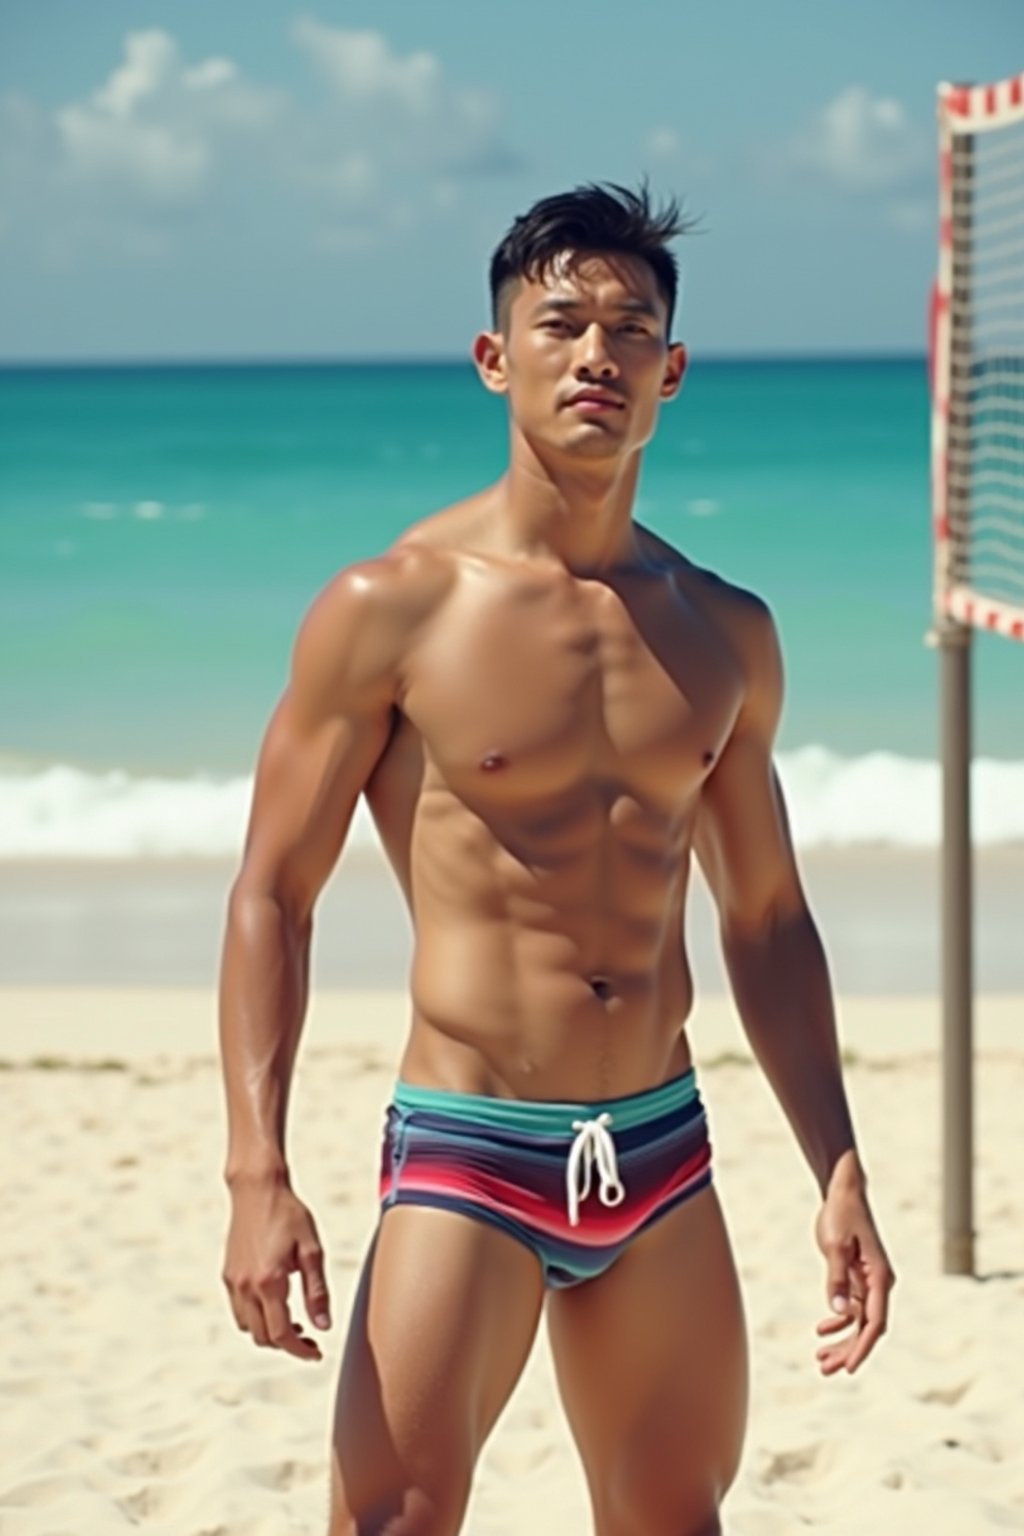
[634, 329]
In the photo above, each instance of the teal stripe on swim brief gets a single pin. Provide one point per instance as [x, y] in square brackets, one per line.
[549, 1115]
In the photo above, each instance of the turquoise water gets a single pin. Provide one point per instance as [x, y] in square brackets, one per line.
[163, 529]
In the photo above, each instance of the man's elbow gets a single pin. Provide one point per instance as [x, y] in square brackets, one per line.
[258, 907]
[759, 923]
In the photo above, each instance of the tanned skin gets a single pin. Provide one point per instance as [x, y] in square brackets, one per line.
[549, 710]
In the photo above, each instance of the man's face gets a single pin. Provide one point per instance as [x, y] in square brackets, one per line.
[583, 356]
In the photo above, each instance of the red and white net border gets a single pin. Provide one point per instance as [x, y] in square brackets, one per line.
[972, 109]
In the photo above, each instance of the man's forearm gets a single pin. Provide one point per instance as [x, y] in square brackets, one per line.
[782, 989]
[263, 995]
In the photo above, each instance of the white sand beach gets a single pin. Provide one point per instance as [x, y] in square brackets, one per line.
[132, 1402]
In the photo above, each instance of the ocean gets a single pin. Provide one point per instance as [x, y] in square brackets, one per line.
[163, 529]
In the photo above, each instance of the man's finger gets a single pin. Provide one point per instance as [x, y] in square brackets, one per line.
[261, 1296]
[286, 1335]
[833, 1358]
[876, 1314]
[236, 1303]
[314, 1286]
[254, 1321]
[837, 1282]
[866, 1341]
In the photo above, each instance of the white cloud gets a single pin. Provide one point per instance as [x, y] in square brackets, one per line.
[131, 165]
[150, 57]
[399, 108]
[209, 74]
[121, 172]
[361, 66]
[157, 128]
[158, 162]
[861, 142]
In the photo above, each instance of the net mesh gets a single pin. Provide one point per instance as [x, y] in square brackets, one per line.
[985, 442]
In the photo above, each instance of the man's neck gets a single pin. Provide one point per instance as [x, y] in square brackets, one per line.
[577, 515]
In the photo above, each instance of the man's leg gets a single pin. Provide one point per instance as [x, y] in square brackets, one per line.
[652, 1365]
[445, 1314]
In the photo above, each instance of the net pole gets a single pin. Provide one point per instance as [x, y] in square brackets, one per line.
[957, 957]
[957, 884]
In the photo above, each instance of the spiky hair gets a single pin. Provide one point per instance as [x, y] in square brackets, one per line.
[594, 217]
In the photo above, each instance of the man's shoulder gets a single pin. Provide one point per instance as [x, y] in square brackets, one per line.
[393, 593]
[743, 611]
[725, 602]
[362, 624]
[396, 586]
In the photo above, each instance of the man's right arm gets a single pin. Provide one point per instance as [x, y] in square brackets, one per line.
[321, 746]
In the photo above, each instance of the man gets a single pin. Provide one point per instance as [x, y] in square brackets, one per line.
[548, 709]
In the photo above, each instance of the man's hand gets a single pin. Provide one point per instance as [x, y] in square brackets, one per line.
[859, 1278]
[271, 1234]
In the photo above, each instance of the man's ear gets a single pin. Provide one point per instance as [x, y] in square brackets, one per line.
[489, 357]
[675, 371]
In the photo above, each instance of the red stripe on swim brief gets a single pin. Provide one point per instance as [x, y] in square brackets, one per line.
[599, 1224]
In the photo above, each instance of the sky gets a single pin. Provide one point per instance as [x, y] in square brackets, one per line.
[251, 179]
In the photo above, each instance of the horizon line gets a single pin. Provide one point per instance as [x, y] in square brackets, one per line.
[415, 360]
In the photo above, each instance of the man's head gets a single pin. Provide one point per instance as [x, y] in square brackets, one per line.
[583, 290]
[610, 219]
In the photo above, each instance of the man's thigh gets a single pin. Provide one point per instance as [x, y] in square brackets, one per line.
[443, 1321]
[652, 1364]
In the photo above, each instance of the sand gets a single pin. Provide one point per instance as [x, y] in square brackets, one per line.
[132, 1402]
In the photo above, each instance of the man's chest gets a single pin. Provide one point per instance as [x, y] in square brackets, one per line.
[528, 696]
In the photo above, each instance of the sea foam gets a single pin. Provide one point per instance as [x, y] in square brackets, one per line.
[66, 812]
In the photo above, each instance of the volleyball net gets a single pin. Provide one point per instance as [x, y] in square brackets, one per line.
[977, 356]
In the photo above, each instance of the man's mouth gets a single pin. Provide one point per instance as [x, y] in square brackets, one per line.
[592, 402]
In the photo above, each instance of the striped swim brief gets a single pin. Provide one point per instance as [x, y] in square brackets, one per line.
[531, 1167]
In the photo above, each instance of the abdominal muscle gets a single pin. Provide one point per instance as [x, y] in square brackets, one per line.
[560, 976]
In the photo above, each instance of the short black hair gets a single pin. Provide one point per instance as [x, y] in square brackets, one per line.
[598, 216]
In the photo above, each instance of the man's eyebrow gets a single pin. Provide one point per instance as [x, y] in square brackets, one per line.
[630, 306]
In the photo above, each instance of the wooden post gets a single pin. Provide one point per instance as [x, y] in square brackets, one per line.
[954, 644]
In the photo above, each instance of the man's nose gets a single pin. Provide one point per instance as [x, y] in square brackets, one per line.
[593, 357]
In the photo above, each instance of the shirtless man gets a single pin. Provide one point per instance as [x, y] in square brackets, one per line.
[549, 710]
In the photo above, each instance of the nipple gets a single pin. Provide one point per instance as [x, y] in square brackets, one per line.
[493, 761]
[708, 758]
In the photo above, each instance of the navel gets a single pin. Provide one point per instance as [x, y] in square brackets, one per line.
[601, 986]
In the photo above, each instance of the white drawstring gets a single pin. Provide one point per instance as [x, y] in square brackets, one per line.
[593, 1144]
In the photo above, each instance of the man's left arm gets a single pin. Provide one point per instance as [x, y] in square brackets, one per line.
[780, 980]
